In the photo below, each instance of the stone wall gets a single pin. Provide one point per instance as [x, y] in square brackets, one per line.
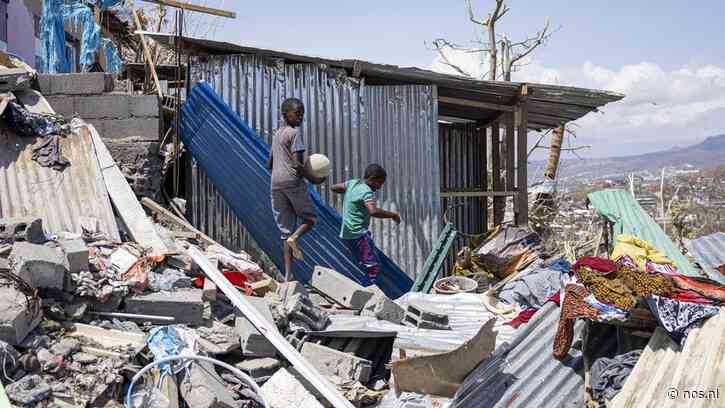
[129, 125]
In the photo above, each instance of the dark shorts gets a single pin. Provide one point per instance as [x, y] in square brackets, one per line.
[291, 205]
[363, 249]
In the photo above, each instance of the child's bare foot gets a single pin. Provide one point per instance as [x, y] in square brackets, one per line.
[296, 252]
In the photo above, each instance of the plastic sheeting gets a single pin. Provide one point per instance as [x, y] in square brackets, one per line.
[628, 217]
[234, 158]
[466, 315]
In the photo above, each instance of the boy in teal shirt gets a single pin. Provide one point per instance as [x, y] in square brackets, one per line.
[357, 207]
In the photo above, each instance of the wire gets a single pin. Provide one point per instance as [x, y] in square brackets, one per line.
[234, 371]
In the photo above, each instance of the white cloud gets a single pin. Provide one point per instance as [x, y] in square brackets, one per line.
[662, 108]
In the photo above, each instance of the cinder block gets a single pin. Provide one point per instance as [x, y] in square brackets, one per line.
[260, 369]
[383, 308]
[144, 105]
[76, 253]
[63, 105]
[302, 312]
[16, 319]
[283, 390]
[39, 265]
[185, 305]
[330, 362]
[254, 344]
[144, 128]
[201, 387]
[338, 287]
[102, 106]
[418, 316]
[79, 84]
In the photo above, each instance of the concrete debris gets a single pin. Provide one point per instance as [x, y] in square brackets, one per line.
[382, 308]
[253, 343]
[168, 279]
[184, 305]
[331, 362]
[283, 390]
[18, 315]
[418, 316]
[31, 389]
[76, 253]
[201, 387]
[341, 289]
[260, 369]
[302, 313]
[289, 289]
[218, 339]
[39, 265]
[66, 347]
[19, 229]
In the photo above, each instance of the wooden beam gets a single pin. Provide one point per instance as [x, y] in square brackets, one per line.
[171, 217]
[451, 194]
[194, 7]
[499, 203]
[475, 104]
[146, 52]
[522, 215]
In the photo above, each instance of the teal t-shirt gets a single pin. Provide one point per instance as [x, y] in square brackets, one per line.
[355, 216]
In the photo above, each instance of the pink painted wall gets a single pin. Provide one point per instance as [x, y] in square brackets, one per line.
[21, 29]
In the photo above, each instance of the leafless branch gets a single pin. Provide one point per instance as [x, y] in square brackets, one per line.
[530, 45]
[440, 45]
[471, 15]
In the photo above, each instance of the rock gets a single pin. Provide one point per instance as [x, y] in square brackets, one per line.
[85, 358]
[30, 389]
[66, 346]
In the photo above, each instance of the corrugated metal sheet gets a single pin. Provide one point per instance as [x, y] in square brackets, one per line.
[666, 376]
[525, 374]
[58, 197]
[709, 252]
[628, 217]
[466, 315]
[234, 157]
[353, 125]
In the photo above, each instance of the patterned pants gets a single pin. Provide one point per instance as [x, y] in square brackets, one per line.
[363, 249]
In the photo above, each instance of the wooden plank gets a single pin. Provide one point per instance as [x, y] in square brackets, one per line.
[146, 52]
[270, 332]
[522, 215]
[194, 7]
[451, 194]
[138, 225]
[475, 104]
[169, 216]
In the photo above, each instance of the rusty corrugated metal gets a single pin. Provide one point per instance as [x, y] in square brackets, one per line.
[709, 253]
[60, 198]
[353, 125]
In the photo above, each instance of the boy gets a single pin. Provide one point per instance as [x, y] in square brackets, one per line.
[357, 208]
[290, 200]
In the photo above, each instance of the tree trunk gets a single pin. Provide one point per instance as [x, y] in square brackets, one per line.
[552, 164]
[492, 55]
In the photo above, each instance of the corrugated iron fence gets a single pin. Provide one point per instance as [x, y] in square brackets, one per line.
[354, 125]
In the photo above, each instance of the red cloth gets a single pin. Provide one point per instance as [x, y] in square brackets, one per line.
[598, 264]
[681, 295]
[238, 279]
[523, 317]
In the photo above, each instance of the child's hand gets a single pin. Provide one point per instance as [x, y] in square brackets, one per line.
[396, 218]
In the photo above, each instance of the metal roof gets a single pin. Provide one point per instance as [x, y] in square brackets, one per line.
[628, 217]
[60, 198]
[459, 97]
[665, 375]
[709, 253]
[525, 373]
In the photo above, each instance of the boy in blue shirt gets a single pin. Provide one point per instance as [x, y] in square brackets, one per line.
[357, 207]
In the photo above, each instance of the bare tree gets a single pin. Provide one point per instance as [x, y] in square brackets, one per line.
[512, 52]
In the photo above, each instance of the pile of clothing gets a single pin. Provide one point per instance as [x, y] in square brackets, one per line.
[604, 290]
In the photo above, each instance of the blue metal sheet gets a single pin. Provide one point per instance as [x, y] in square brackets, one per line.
[233, 157]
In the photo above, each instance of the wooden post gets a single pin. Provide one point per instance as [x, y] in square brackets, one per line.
[484, 174]
[499, 203]
[510, 120]
[146, 52]
[522, 198]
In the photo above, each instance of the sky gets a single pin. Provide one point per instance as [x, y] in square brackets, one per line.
[668, 59]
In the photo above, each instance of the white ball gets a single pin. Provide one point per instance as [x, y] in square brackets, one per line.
[318, 165]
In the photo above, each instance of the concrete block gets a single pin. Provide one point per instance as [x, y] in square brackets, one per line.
[383, 308]
[146, 129]
[185, 305]
[330, 362]
[16, 320]
[338, 287]
[201, 387]
[76, 253]
[22, 228]
[144, 106]
[39, 265]
[300, 311]
[63, 105]
[78, 84]
[102, 106]
[418, 316]
[254, 344]
[289, 289]
[45, 87]
[283, 390]
[260, 369]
